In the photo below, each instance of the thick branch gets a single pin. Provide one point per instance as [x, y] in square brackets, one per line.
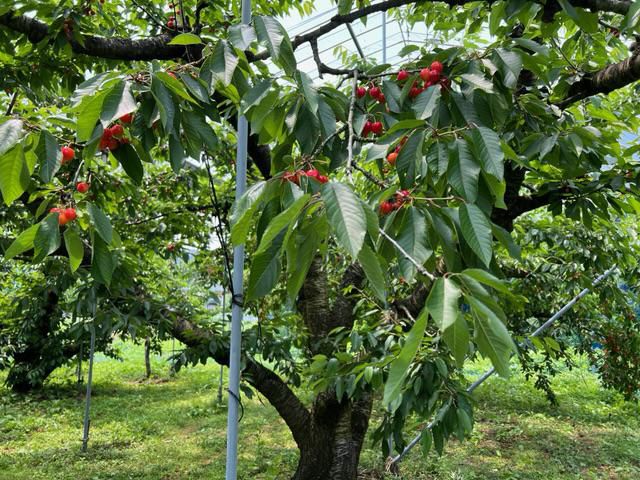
[290, 408]
[611, 77]
[152, 48]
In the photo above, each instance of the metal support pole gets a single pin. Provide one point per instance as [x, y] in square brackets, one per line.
[492, 370]
[224, 319]
[236, 302]
[384, 37]
[87, 403]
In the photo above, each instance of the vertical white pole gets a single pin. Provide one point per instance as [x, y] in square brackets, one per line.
[384, 37]
[236, 306]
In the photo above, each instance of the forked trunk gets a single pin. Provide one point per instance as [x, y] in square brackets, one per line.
[332, 448]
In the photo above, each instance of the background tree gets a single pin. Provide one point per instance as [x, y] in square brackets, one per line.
[380, 227]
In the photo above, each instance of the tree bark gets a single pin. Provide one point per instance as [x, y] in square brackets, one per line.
[147, 357]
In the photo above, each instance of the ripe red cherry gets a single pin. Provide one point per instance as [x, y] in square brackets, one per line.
[414, 92]
[392, 157]
[293, 177]
[55, 210]
[313, 173]
[366, 130]
[127, 118]
[322, 178]
[376, 128]
[427, 84]
[104, 143]
[117, 130]
[70, 213]
[374, 92]
[425, 73]
[82, 187]
[361, 92]
[171, 24]
[386, 208]
[68, 154]
[62, 219]
[437, 66]
[402, 75]
[381, 98]
[403, 194]
[113, 144]
[434, 76]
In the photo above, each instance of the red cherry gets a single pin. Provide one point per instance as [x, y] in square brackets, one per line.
[117, 130]
[322, 178]
[427, 84]
[414, 92]
[437, 66]
[62, 219]
[82, 187]
[68, 154]
[434, 76]
[127, 118]
[445, 84]
[386, 208]
[374, 92]
[313, 173]
[104, 143]
[366, 130]
[113, 144]
[403, 193]
[376, 128]
[402, 75]
[171, 24]
[425, 73]
[293, 177]
[171, 74]
[361, 92]
[381, 98]
[70, 213]
[392, 157]
[55, 210]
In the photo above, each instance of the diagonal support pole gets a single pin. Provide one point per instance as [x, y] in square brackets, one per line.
[231, 472]
[492, 370]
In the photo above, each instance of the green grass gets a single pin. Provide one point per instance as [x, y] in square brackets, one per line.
[173, 428]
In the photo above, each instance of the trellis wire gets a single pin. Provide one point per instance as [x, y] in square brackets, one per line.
[492, 370]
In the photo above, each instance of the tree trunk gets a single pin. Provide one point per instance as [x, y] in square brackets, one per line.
[336, 434]
[147, 357]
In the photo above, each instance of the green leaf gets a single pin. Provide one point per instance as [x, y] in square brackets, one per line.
[241, 36]
[485, 277]
[327, 118]
[102, 261]
[631, 18]
[243, 212]
[130, 161]
[443, 302]
[185, 39]
[587, 22]
[425, 103]
[491, 336]
[117, 102]
[100, 222]
[301, 249]
[176, 153]
[406, 125]
[47, 239]
[255, 94]
[372, 269]
[346, 216]
[413, 240]
[14, 174]
[463, 172]
[509, 64]
[457, 339]
[310, 93]
[400, 366]
[223, 63]
[10, 133]
[280, 222]
[477, 81]
[275, 37]
[409, 159]
[426, 440]
[265, 269]
[344, 6]
[48, 152]
[75, 249]
[164, 101]
[22, 243]
[506, 240]
[476, 230]
[486, 147]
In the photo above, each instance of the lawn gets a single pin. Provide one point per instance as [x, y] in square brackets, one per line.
[171, 427]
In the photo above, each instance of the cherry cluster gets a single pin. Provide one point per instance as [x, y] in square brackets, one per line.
[65, 215]
[431, 75]
[400, 198]
[112, 137]
[372, 127]
[393, 156]
[311, 173]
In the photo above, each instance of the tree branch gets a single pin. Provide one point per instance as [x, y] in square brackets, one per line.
[118, 48]
[611, 77]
